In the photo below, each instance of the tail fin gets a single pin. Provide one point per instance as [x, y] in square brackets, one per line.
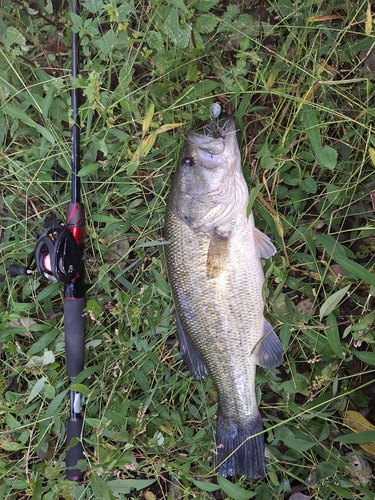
[236, 453]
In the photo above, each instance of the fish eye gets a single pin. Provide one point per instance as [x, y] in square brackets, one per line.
[187, 162]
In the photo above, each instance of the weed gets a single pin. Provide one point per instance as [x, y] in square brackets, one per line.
[299, 78]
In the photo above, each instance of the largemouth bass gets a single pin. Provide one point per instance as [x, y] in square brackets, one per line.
[216, 276]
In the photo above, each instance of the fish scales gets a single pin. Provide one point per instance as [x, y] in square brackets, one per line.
[216, 277]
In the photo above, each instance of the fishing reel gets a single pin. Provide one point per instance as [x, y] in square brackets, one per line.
[57, 255]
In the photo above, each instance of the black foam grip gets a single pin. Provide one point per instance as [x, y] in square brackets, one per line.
[74, 335]
[74, 453]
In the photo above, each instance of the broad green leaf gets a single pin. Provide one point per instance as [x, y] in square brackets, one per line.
[93, 6]
[333, 301]
[11, 422]
[252, 197]
[205, 485]
[126, 485]
[77, 22]
[364, 324]
[178, 33]
[357, 437]
[18, 113]
[100, 488]
[88, 169]
[331, 245]
[142, 380]
[11, 446]
[160, 281]
[333, 336]
[95, 423]
[55, 403]
[46, 359]
[179, 4]
[299, 383]
[43, 342]
[324, 470]
[82, 389]
[335, 251]
[311, 124]
[300, 445]
[206, 23]
[47, 101]
[38, 387]
[327, 157]
[48, 291]
[14, 41]
[367, 357]
[340, 492]
[87, 372]
[45, 133]
[104, 218]
[233, 490]
[93, 306]
[310, 185]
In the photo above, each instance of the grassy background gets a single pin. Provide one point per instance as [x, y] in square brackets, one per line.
[299, 79]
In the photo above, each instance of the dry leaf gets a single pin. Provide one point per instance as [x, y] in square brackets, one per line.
[358, 423]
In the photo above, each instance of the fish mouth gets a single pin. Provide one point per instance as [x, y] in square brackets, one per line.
[210, 151]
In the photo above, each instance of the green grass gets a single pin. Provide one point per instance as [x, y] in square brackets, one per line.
[299, 78]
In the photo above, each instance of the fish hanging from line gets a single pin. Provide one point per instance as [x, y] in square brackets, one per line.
[216, 276]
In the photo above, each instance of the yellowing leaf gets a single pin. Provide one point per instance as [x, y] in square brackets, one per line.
[144, 148]
[368, 23]
[148, 119]
[358, 423]
[168, 126]
[372, 155]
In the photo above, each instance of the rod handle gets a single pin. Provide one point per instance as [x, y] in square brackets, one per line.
[74, 324]
[74, 453]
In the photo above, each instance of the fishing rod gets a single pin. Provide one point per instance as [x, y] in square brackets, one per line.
[58, 256]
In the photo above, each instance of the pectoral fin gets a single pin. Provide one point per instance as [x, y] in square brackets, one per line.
[269, 352]
[264, 245]
[189, 354]
[217, 255]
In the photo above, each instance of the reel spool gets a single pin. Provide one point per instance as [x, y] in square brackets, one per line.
[57, 254]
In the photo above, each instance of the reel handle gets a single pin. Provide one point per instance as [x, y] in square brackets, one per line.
[17, 270]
